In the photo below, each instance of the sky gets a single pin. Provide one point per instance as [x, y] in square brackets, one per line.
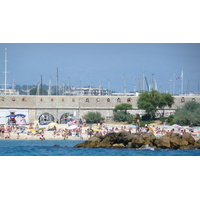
[114, 65]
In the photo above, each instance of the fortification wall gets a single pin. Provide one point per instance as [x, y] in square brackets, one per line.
[78, 105]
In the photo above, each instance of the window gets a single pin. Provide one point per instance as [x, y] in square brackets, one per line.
[129, 100]
[87, 100]
[73, 100]
[63, 99]
[108, 100]
[41, 99]
[51, 99]
[182, 100]
[24, 99]
[118, 100]
[2, 98]
[13, 99]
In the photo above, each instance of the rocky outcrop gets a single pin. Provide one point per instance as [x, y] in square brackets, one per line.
[127, 140]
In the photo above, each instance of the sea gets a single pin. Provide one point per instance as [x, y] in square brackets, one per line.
[66, 148]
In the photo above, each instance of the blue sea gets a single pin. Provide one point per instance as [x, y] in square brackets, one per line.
[47, 148]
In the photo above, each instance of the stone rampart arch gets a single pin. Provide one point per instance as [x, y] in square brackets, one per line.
[46, 118]
[66, 117]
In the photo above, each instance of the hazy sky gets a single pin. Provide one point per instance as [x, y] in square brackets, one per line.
[91, 63]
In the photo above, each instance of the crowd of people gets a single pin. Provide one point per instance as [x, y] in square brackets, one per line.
[82, 131]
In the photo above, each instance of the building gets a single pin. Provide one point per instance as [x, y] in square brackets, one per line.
[87, 91]
[8, 92]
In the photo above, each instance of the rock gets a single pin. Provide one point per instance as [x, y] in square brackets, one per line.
[198, 141]
[162, 142]
[108, 140]
[188, 138]
[56, 145]
[127, 140]
[177, 141]
[95, 139]
[129, 145]
[124, 137]
[196, 146]
[137, 142]
[120, 145]
[149, 138]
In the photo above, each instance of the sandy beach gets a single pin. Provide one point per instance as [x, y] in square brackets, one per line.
[27, 134]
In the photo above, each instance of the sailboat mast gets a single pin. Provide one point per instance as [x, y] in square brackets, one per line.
[5, 70]
[50, 86]
[182, 82]
[124, 85]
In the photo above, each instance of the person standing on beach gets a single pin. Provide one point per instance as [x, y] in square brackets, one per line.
[137, 125]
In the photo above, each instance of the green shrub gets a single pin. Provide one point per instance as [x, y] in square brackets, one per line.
[120, 116]
[170, 118]
[93, 117]
[163, 119]
[189, 113]
[143, 123]
[129, 119]
[146, 117]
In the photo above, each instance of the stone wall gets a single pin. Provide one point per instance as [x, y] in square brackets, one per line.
[78, 105]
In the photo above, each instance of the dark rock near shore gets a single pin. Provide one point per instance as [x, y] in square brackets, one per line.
[56, 145]
[127, 140]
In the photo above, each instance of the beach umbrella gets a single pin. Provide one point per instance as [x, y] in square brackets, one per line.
[32, 130]
[70, 123]
[21, 123]
[175, 125]
[151, 129]
[152, 124]
[167, 126]
[22, 126]
[11, 116]
[190, 128]
[95, 127]
[96, 130]
[52, 124]
[21, 115]
[131, 126]
[72, 127]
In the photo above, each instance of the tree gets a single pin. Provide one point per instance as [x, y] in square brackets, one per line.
[166, 99]
[123, 107]
[151, 101]
[120, 113]
[188, 114]
[34, 91]
[93, 117]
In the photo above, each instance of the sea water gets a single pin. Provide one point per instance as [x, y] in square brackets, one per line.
[66, 148]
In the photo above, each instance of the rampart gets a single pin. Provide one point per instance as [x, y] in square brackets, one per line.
[77, 105]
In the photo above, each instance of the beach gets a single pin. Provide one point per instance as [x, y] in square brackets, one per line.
[46, 132]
